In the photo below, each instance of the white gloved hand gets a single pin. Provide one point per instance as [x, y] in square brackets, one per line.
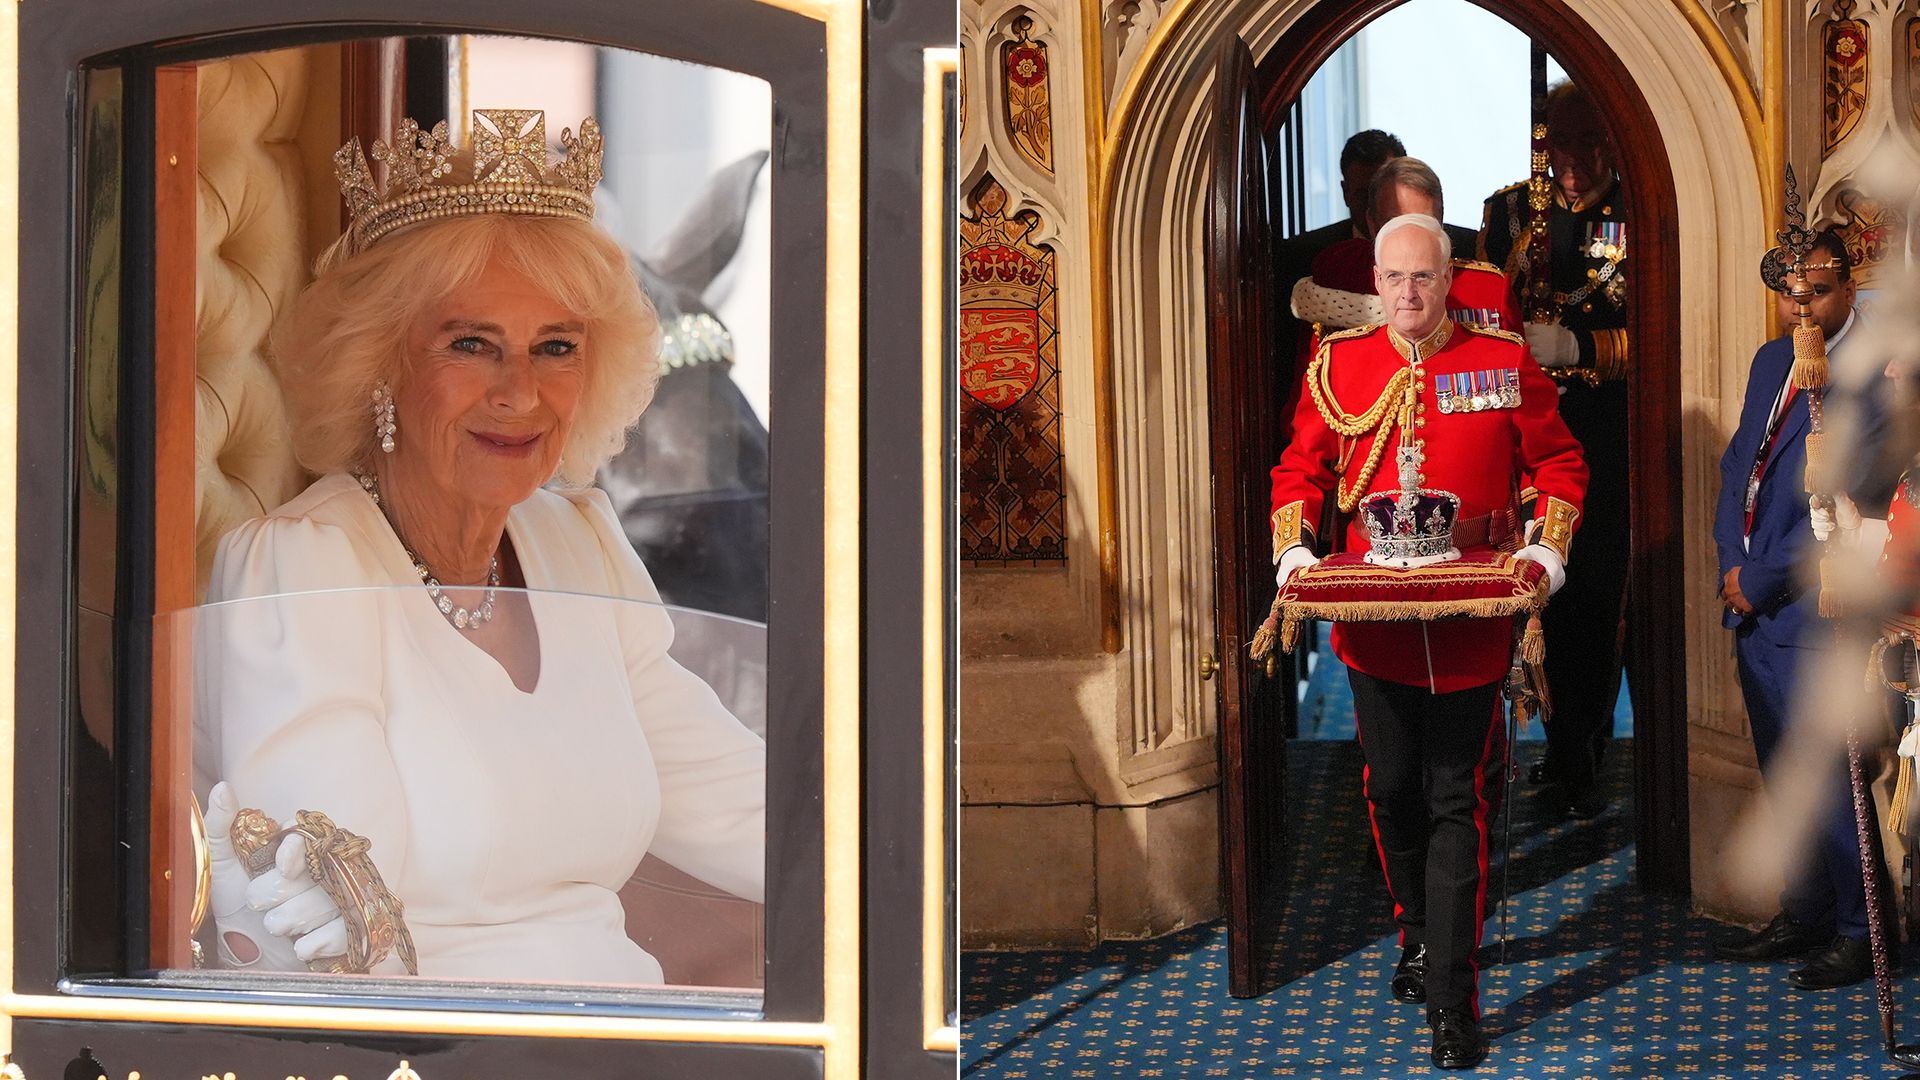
[295, 907]
[1549, 559]
[1821, 516]
[1294, 558]
[1841, 521]
[1553, 345]
[243, 938]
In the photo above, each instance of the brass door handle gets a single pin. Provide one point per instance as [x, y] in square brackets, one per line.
[1208, 665]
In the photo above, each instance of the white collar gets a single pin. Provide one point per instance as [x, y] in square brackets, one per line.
[1834, 341]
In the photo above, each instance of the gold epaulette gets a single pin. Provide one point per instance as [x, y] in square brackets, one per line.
[1350, 332]
[1476, 264]
[1488, 331]
[1517, 185]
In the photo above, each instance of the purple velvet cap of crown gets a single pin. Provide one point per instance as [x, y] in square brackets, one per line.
[1423, 530]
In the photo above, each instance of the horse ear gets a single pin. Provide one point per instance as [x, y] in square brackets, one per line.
[708, 234]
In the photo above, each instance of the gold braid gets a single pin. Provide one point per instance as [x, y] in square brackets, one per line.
[1376, 421]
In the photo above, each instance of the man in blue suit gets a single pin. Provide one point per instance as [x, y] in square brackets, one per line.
[1767, 552]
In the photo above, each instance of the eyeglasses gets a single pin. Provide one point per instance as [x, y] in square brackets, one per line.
[1422, 279]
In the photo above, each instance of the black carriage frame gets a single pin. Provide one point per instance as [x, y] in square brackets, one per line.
[79, 893]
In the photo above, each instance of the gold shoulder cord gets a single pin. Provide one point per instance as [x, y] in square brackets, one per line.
[1378, 420]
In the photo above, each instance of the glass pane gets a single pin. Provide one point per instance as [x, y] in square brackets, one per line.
[687, 194]
[507, 373]
[573, 793]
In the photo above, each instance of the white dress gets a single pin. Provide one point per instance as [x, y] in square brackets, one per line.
[505, 821]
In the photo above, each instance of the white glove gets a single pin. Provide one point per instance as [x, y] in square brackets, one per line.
[1548, 558]
[1294, 558]
[277, 921]
[244, 941]
[1842, 519]
[1553, 345]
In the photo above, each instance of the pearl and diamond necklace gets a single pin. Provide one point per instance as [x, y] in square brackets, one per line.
[461, 618]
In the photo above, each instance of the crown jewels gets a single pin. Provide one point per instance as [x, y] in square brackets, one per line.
[510, 174]
[1412, 526]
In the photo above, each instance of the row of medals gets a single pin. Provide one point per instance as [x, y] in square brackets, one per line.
[1506, 396]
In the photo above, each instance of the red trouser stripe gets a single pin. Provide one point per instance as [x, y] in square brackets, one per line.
[1380, 849]
[1480, 812]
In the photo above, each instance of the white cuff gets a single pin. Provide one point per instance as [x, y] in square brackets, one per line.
[1295, 557]
[1550, 560]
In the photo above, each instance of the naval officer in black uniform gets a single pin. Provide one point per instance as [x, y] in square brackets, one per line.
[1585, 349]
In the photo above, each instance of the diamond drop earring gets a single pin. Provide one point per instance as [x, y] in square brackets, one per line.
[383, 427]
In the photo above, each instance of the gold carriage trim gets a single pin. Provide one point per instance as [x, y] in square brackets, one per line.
[1557, 530]
[340, 862]
[1287, 527]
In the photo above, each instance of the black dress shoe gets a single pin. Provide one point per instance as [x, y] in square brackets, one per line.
[1583, 804]
[1780, 939]
[1843, 963]
[1410, 976]
[1457, 1042]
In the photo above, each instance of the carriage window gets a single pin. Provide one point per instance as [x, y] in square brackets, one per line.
[460, 386]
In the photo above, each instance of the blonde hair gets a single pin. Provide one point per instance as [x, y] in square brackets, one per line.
[348, 330]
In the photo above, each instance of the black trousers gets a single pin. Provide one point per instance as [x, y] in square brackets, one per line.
[1582, 624]
[1432, 767]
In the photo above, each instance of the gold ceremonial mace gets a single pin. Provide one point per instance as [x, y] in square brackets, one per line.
[1784, 269]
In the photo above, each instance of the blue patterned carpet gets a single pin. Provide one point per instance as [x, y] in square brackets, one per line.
[1599, 981]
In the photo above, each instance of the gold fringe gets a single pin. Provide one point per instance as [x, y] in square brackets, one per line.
[1289, 633]
[1809, 358]
[1816, 451]
[1410, 610]
[1829, 605]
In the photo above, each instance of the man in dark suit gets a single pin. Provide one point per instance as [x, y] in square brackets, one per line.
[1766, 545]
[1363, 153]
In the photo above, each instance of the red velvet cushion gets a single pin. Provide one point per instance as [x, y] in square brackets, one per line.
[1481, 583]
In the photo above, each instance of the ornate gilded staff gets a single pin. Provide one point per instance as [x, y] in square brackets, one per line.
[1539, 284]
[1784, 269]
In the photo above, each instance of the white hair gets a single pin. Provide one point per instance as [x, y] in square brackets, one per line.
[1426, 222]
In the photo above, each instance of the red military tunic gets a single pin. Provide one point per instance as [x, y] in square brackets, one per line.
[1479, 456]
[1479, 294]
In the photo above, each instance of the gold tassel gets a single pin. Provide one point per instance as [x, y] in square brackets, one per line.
[1816, 448]
[1809, 357]
[1533, 643]
[1261, 646]
[1289, 633]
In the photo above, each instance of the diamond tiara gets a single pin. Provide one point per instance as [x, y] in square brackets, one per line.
[510, 174]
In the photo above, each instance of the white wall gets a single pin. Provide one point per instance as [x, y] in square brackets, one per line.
[1450, 79]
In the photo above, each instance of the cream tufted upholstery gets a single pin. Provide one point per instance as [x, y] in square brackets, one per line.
[253, 258]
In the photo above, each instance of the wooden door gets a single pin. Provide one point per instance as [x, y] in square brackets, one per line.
[1246, 373]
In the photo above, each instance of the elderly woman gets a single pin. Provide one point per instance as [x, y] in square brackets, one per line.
[465, 359]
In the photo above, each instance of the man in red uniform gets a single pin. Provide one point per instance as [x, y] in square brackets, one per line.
[1465, 410]
[1341, 292]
